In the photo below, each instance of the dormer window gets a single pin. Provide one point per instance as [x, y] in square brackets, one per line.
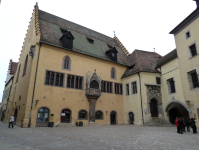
[112, 54]
[67, 40]
[90, 40]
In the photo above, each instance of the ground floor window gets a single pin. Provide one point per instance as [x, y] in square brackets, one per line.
[98, 115]
[82, 114]
[43, 115]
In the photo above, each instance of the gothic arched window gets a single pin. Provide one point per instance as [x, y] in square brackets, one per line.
[113, 73]
[66, 63]
[25, 65]
[94, 84]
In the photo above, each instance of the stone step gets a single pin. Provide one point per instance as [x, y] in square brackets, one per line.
[65, 125]
[158, 122]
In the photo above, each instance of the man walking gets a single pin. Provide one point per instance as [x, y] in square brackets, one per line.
[11, 121]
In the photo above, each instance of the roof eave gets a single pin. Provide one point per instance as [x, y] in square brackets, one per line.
[194, 15]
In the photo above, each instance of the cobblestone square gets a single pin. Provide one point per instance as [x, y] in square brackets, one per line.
[116, 137]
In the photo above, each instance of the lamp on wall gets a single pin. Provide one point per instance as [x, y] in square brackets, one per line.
[36, 101]
[188, 102]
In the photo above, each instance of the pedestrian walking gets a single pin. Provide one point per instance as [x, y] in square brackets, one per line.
[184, 125]
[177, 125]
[11, 121]
[187, 124]
[193, 125]
[180, 123]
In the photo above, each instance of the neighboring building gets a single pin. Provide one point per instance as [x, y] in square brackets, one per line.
[8, 85]
[78, 74]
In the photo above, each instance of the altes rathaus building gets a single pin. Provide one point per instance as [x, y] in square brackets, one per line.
[68, 73]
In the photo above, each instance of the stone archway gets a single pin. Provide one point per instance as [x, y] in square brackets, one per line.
[154, 101]
[176, 108]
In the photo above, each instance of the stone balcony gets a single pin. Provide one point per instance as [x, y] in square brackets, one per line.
[93, 93]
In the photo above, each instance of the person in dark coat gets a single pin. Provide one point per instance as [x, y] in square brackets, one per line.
[193, 125]
[187, 124]
[180, 123]
[177, 125]
[184, 125]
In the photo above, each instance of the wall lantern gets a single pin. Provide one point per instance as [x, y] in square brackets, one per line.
[188, 102]
[36, 101]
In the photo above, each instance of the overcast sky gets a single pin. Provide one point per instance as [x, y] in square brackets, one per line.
[139, 24]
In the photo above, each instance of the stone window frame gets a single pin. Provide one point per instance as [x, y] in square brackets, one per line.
[25, 66]
[82, 118]
[48, 113]
[190, 78]
[54, 79]
[169, 86]
[70, 114]
[127, 93]
[102, 115]
[120, 90]
[75, 81]
[197, 52]
[115, 74]
[18, 73]
[132, 88]
[160, 80]
[106, 83]
[189, 34]
[69, 66]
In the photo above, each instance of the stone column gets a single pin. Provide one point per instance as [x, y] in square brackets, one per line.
[92, 109]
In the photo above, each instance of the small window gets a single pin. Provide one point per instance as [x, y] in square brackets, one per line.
[193, 79]
[113, 73]
[43, 115]
[127, 89]
[82, 114]
[113, 54]
[90, 40]
[134, 87]
[98, 115]
[193, 50]
[171, 85]
[187, 35]
[109, 46]
[158, 81]
[106, 87]
[66, 65]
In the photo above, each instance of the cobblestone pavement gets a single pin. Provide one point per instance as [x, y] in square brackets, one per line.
[118, 137]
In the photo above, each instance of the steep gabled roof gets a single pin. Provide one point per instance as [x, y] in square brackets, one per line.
[142, 61]
[51, 25]
[171, 55]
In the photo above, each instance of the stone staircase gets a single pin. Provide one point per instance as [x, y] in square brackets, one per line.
[158, 122]
[65, 125]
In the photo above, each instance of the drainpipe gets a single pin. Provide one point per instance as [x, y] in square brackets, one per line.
[141, 97]
[29, 124]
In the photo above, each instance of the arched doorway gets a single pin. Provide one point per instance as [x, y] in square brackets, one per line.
[65, 116]
[42, 117]
[113, 118]
[131, 118]
[176, 109]
[15, 116]
[154, 108]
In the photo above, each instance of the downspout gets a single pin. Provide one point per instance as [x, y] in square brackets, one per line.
[141, 97]
[29, 124]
